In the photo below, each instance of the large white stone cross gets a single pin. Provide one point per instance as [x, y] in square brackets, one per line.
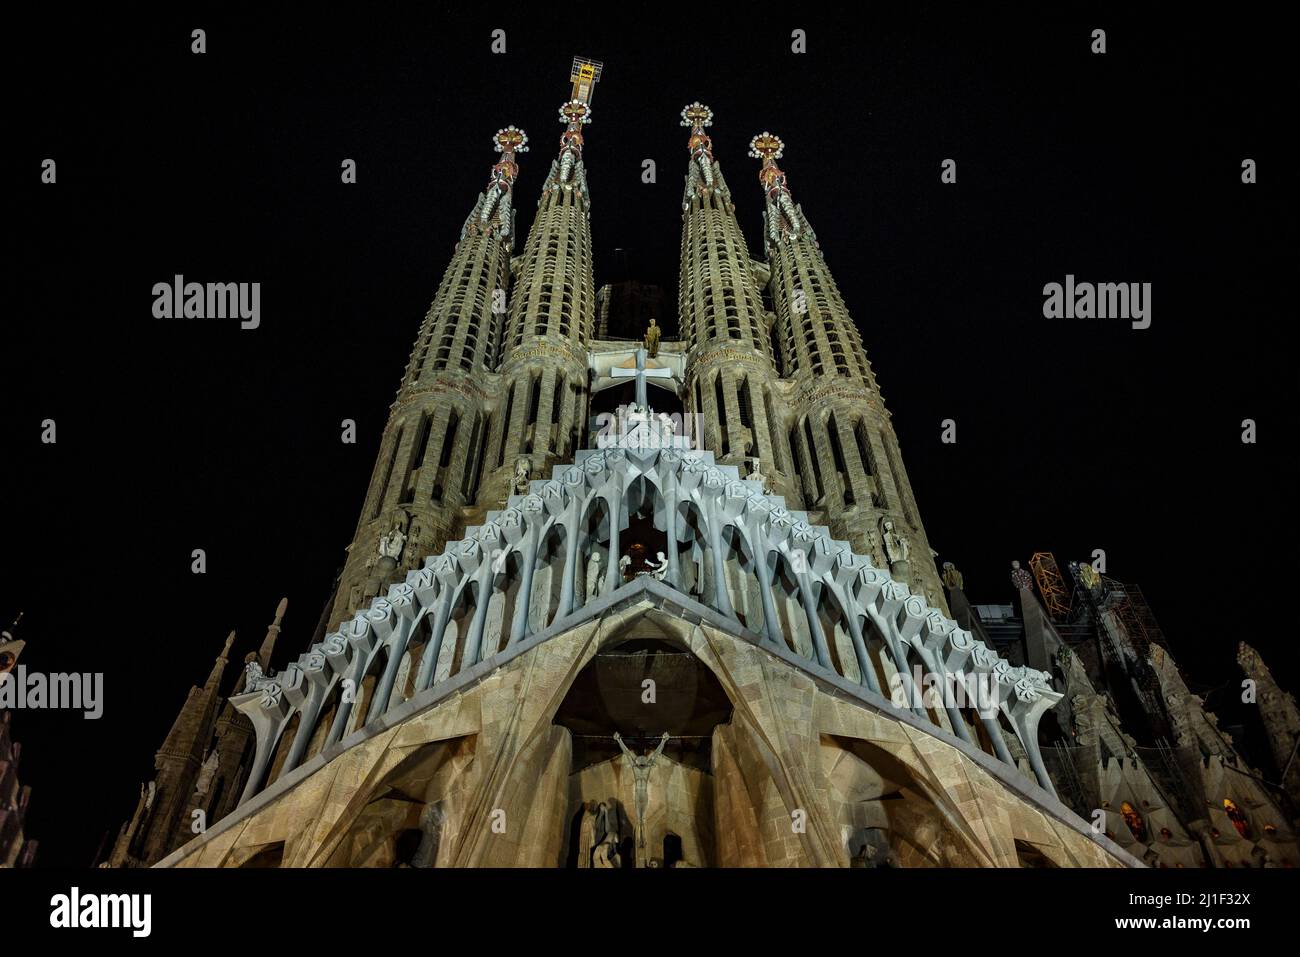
[641, 373]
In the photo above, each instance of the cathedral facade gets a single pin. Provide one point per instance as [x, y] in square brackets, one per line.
[665, 602]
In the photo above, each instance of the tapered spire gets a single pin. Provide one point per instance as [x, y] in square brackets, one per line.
[783, 219]
[272, 631]
[219, 666]
[702, 176]
[493, 214]
[568, 172]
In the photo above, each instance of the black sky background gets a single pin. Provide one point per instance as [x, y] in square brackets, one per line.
[175, 435]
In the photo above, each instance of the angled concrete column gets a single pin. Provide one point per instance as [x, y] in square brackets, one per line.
[721, 600]
[669, 498]
[482, 598]
[528, 552]
[384, 690]
[865, 666]
[954, 716]
[567, 583]
[995, 735]
[814, 622]
[770, 630]
[613, 573]
[429, 663]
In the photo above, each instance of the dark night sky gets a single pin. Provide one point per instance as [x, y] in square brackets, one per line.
[1072, 435]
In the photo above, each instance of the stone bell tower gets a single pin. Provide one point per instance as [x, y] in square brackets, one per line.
[432, 447]
[840, 435]
[730, 376]
[541, 394]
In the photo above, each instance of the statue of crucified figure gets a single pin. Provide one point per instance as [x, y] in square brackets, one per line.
[641, 766]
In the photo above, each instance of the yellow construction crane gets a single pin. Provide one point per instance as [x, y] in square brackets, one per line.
[1050, 585]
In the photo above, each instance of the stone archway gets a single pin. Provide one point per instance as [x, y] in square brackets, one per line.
[885, 816]
[404, 821]
[643, 682]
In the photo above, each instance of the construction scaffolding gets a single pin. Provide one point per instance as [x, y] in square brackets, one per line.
[585, 74]
[1137, 617]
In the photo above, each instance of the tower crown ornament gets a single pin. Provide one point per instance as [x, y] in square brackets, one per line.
[511, 139]
[767, 147]
[575, 112]
[697, 115]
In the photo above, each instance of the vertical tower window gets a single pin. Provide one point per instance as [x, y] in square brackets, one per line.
[773, 433]
[472, 459]
[722, 414]
[812, 457]
[837, 453]
[505, 425]
[388, 473]
[530, 424]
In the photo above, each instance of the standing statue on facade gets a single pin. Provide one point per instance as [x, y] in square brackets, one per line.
[756, 475]
[206, 772]
[951, 577]
[392, 543]
[652, 338]
[522, 468]
[431, 820]
[601, 836]
[896, 547]
[1021, 578]
[896, 550]
[593, 576]
[641, 767]
[659, 567]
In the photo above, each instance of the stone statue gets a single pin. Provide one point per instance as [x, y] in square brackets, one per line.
[623, 564]
[255, 679]
[896, 547]
[207, 772]
[659, 567]
[606, 855]
[603, 821]
[150, 792]
[522, 468]
[756, 475]
[593, 576]
[431, 818]
[951, 577]
[392, 544]
[652, 339]
[1021, 578]
[641, 767]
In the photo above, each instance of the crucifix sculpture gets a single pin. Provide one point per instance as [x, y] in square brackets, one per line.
[641, 766]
